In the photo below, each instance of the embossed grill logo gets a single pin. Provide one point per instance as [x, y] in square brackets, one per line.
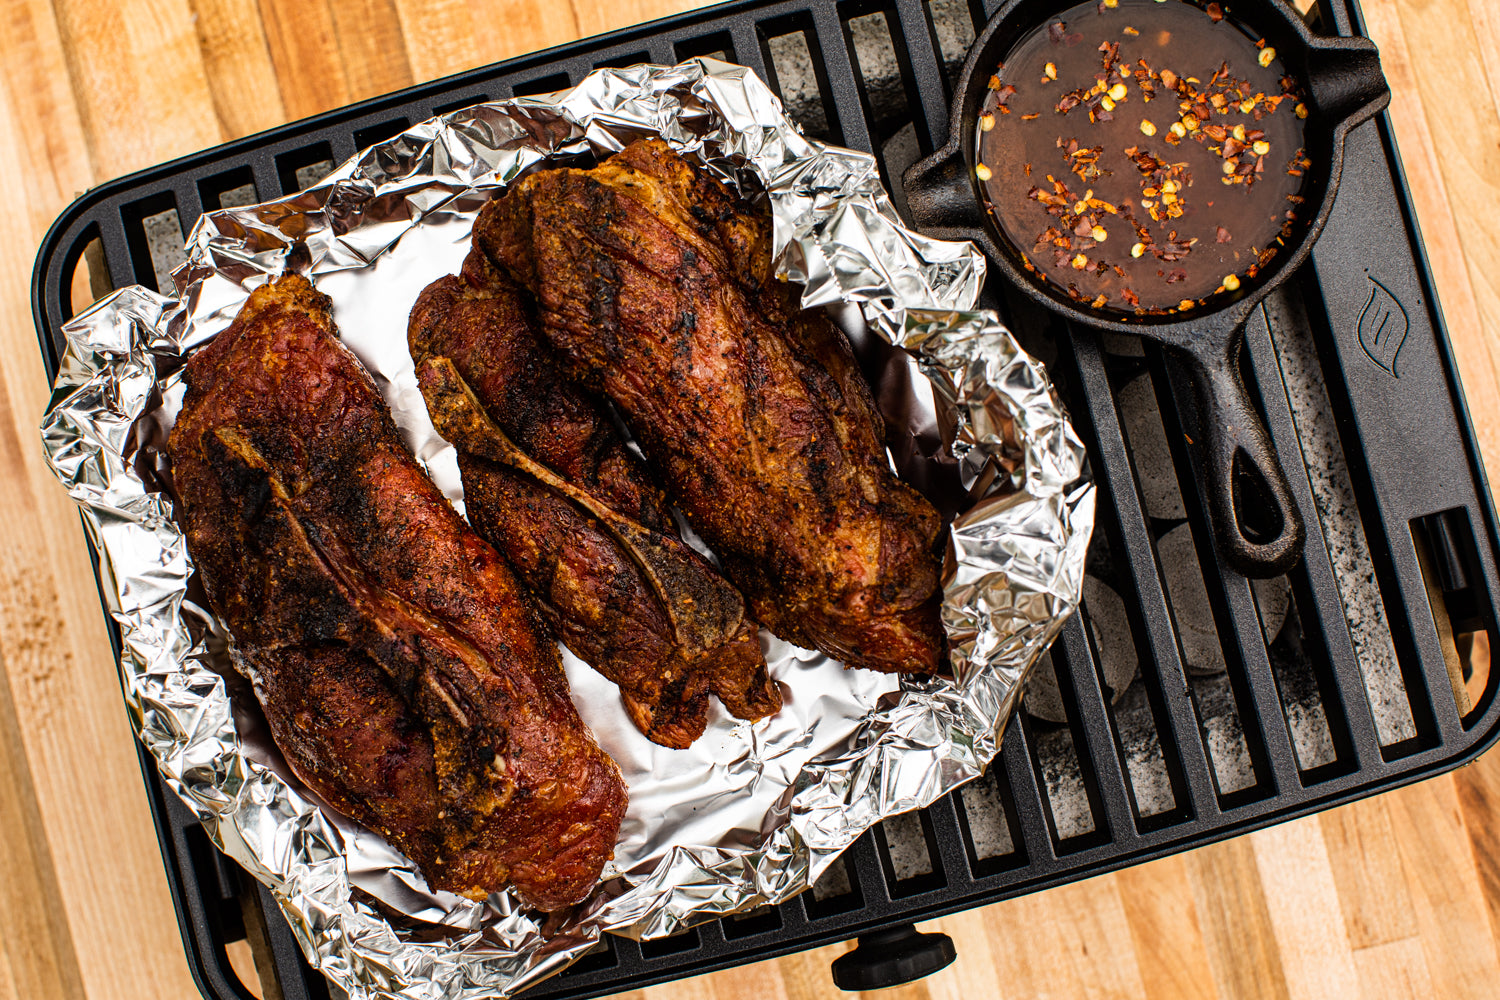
[1382, 327]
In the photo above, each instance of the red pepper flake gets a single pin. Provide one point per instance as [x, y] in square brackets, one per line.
[1034, 115]
[1215, 13]
[1222, 235]
[1129, 296]
[1178, 274]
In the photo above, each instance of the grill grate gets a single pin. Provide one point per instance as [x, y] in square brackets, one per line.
[1182, 704]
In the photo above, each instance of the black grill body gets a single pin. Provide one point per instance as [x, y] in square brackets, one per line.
[1182, 705]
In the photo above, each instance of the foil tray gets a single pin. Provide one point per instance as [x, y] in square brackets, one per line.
[752, 814]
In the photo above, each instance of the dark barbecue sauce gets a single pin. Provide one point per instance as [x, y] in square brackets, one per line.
[1143, 156]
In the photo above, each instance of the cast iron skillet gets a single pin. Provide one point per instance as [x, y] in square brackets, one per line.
[1345, 87]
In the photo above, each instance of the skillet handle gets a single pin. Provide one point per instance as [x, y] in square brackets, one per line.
[1256, 520]
[1346, 81]
[941, 198]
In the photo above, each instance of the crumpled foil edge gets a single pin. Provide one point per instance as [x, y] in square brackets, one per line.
[1015, 571]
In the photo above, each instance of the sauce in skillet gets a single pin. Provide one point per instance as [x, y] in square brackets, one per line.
[1144, 155]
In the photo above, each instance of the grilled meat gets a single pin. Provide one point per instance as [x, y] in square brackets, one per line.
[654, 288]
[549, 482]
[403, 670]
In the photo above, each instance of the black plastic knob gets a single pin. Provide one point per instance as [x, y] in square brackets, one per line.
[891, 957]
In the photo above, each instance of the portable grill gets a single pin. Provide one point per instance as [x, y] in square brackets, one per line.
[1183, 704]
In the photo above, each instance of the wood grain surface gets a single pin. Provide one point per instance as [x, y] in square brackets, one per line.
[1396, 896]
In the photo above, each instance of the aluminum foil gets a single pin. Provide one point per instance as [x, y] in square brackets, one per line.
[751, 814]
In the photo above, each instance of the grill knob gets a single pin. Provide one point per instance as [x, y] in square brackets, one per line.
[891, 957]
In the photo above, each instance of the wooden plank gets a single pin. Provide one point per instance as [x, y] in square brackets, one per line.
[93, 880]
[1072, 941]
[806, 976]
[1478, 787]
[597, 16]
[1396, 970]
[1439, 103]
[981, 968]
[1367, 868]
[138, 79]
[1236, 924]
[1169, 944]
[372, 47]
[752, 981]
[1438, 857]
[35, 932]
[237, 62]
[9, 989]
[907, 991]
[36, 86]
[1303, 904]
[304, 52]
[497, 30]
[441, 37]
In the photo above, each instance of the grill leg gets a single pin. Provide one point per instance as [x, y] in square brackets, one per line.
[891, 957]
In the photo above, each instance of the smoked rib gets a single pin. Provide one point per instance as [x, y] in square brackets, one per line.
[403, 670]
[549, 482]
[653, 286]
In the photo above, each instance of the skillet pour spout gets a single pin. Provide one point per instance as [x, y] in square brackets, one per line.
[1258, 527]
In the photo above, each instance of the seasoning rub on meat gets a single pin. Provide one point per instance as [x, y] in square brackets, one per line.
[653, 287]
[549, 482]
[404, 673]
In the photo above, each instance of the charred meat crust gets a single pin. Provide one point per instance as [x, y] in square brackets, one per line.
[654, 288]
[403, 669]
[548, 481]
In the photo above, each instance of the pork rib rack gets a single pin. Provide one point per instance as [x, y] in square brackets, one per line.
[404, 673]
[653, 287]
[549, 482]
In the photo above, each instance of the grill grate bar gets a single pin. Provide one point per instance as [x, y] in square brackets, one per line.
[747, 51]
[1239, 628]
[1034, 830]
[912, 31]
[1083, 690]
[947, 841]
[1345, 704]
[842, 79]
[116, 251]
[1163, 662]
